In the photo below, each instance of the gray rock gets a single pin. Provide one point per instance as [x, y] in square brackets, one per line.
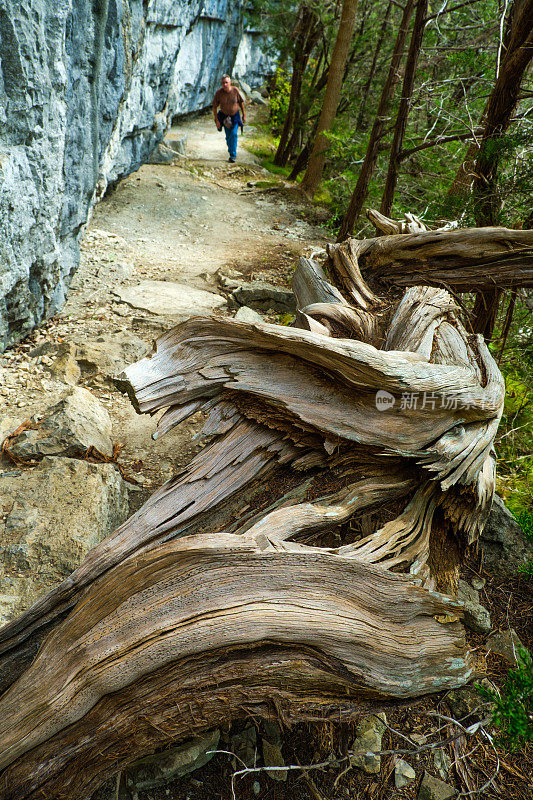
[263, 295]
[272, 732]
[466, 592]
[467, 705]
[69, 428]
[243, 86]
[364, 752]
[503, 544]
[50, 517]
[442, 762]
[175, 301]
[257, 97]
[244, 745]
[434, 789]
[162, 154]
[476, 616]
[162, 768]
[246, 314]
[273, 758]
[65, 369]
[108, 355]
[404, 774]
[87, 91]
[178, 145]
[505, 644]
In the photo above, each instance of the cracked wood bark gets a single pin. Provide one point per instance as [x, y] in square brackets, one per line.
[174, 623]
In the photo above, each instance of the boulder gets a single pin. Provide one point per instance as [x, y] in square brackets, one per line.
[263, 296]
[68, 428]
[243, 86]
[175, 301]
[257, 97]
[162, 768]
[64, 367]
[50, 517]
[505, 644]
[162, 154]
[364, 752]
[503, 543]
[434, 789]
[178, 145]
[246, 314]
[108, 355]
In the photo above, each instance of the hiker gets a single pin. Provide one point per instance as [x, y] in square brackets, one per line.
[228, 100]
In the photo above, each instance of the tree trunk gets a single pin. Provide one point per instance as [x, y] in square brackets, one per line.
[339, 57]
[306, 35]
[373, 66]
[361, 188]
[206, 605]
[403, 110]
[517, 53]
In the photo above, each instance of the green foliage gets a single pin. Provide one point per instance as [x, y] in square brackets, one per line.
[513, 705]
[514, 443]
[525, 520]
[279, 99]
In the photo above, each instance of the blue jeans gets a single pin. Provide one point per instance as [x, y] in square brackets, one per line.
[231, 139]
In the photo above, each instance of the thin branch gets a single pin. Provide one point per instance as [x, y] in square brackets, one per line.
[449, 10]
[456, 137]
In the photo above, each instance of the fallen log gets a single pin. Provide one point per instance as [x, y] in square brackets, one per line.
[372, 428]
[465, 260]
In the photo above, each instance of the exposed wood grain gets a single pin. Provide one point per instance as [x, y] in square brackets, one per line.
[466, 259]
[173, 623]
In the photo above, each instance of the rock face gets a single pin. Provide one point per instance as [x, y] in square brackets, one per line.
[87, 91]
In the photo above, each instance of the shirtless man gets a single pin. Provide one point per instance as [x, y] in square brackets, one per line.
[228, 105]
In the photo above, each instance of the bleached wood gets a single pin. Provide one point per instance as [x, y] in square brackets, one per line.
[173, 624]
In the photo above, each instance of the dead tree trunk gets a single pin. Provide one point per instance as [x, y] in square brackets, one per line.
[206, 605]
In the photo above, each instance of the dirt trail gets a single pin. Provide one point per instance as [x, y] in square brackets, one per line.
[179, 222]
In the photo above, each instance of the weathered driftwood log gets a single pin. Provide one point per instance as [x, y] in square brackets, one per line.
[373, 429]
[465, 260]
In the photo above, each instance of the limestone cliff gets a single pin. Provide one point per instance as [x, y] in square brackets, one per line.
[87, 89]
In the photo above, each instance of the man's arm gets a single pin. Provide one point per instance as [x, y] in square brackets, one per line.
[215, 107]
[242, 108]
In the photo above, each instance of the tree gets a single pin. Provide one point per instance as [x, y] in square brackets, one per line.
[403, 110]
[361, 188]
[305, 36]
[339, 57]
[516, 55]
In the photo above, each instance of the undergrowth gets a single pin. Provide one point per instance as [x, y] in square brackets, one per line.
[513, 704]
